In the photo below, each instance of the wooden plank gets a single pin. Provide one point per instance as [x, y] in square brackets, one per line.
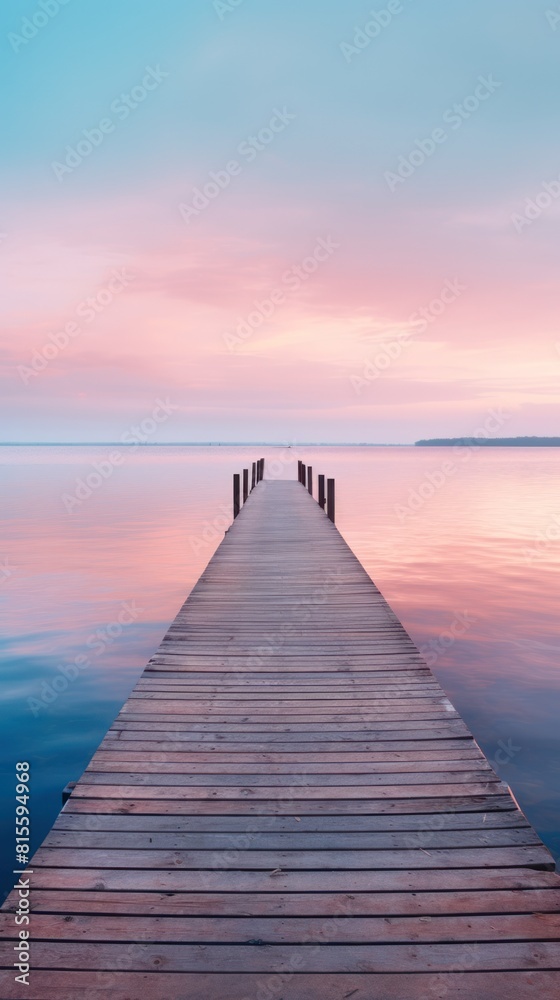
[272, 706]
[345, 928]
[369, 696]
[291, 985]
[296, 731]
[181, 806]
[436, 821]
[265, 958]
[296, 904]
[177, 790]
[252, 881]
[130, 751]
[257, 722]
[294, 840]
[355, 772]
[262, 860]
[137, 711]
[138, 743]
[392, 780]
[273, 680]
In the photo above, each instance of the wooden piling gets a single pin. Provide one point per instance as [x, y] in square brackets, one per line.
[253, 475]
[310, 479]
[236, 495]
[330, 500]
[322, 497]
[245, 485]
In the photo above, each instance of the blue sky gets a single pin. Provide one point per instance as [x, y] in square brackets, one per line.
[358, 116]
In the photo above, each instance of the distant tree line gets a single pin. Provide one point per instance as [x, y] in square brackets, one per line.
[516, 442]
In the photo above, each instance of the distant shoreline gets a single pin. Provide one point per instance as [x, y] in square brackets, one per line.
[466, 442]
[198, 444]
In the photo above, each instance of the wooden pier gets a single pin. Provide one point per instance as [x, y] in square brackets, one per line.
[288, 807]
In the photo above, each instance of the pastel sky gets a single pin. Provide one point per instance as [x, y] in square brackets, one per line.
[338, 102]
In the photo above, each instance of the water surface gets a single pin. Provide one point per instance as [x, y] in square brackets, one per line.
[460, 543]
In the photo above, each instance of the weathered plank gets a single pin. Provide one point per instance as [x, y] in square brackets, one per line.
[347, 928]
[295, 840]
[243, 806]
[298, 904]
[288, 824]
[347, 881]
[319, 955]
[461, 984]
[263, 860]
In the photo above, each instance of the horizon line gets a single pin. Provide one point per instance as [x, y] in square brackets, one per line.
[206, 444]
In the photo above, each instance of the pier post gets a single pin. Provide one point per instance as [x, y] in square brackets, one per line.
[66, 792]
[303, 473]
[310, 479]
[253, 475]
[236, 495]
[330, 499]
[245, 485]
[322, 497]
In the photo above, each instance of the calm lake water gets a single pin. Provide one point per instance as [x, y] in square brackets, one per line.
[469, 535]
